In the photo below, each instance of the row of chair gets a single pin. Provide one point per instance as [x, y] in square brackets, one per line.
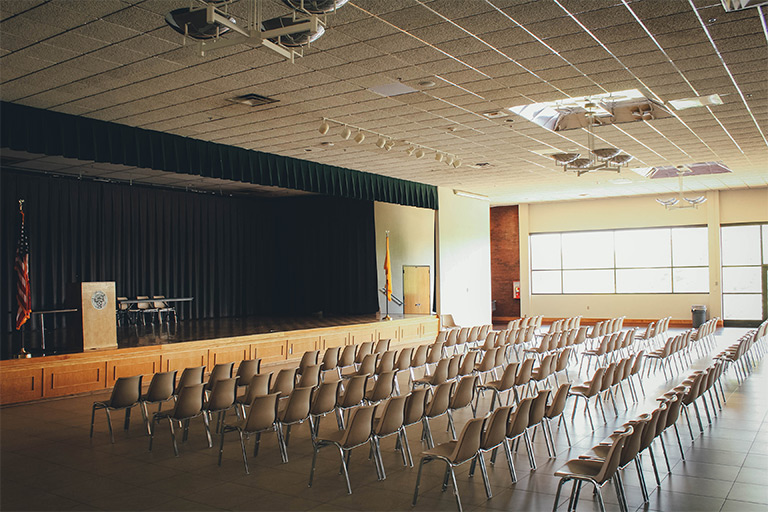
[604, 327]
[130, 313]
[743, 354]
[565, 324]
[611, 346]
[526, 321]
[655, 330]
[675, 351]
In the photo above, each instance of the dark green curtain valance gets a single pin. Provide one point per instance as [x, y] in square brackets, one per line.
[47, 132]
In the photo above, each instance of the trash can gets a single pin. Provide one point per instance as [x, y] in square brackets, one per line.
[698, 314]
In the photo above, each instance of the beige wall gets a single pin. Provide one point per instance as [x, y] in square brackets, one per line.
[411, 242]
[722, 207]
[464, 258]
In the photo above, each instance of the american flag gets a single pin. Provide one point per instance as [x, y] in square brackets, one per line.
[21, 265]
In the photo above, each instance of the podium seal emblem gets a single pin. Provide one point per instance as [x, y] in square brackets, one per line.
[99, 299]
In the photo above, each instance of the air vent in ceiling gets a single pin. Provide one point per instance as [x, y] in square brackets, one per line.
[481, 165]
[253, 100]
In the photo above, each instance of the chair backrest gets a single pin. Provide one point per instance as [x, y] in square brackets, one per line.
[440, 374]
[454, 365]
[366, 348]
[508, 377]
[595, 385]
[262, 414]
[161, 386]
[189, 377]
[435, 352]
[360, 427]
[419, 357]
[447, 321]
[415, 403]
[441, 399]
[557, 406]
[496, 427]
[382, 345]
[368, 364]
[310, 377]
[347, 357]
[354, 392]
[538, 407]
[122, 306]
[610, 370]
[618, 373]
[612, 459]
[468, 363]
[246, 370]
[638, 364]
[190, 402]
[284, 382]
[518, 419]
[386, 361]
[649, 434]
[562, 359]
[325, 397]
[488, 362]
[441, 336]
[452, 338]
[474, 333]
[468, 442]
[259, 386]
[298, 406]
[404, 359]
[464, 392]
[331, 358]
[308, 358]
[126, 392]
[223, 394]
[392, 416]
[383, 387]
[220, 371]
[632, 444]
[142, 305]
[159, 304]
[524, 373]
[463, 335]
[484, 330]
[581, 336]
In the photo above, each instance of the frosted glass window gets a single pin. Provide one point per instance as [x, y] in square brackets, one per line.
[740, 245]
[644, 280]
[741, 279]
[545, 251]
[546, 281]
[765, 244]
[690, 247]
[588, 281]
[690, 280]
[643, 248]
[743, 306]
[593, 249]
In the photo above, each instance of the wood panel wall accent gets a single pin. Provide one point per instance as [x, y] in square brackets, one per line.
[505, 260]
[23, 380]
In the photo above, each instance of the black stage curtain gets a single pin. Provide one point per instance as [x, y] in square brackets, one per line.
[236, 256]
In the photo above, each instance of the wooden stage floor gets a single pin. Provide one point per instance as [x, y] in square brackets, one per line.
[185, 330]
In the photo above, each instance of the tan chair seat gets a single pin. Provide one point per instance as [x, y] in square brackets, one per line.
[443, 450]
[579, 390]
[580, 467]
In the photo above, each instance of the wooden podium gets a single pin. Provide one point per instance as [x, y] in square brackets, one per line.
[96, 305]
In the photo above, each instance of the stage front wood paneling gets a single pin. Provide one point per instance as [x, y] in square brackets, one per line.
[24, 380]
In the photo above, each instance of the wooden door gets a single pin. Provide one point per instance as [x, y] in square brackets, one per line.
[416, 290]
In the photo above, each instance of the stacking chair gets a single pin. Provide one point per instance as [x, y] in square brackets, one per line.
[419, 359]
[310, 377]
[160, 390]
[219, 372]
[323, 402]
[637, 369]
[259, 386]
[189, 404]
[145, 308]
[523, 378]
[308, 358]
[434, 355]
[588, 390]
[386, 361]
[556, 409]
[382, 346]
[436, 407]
[262, 417]
[163, 307]
[383, 387]
[124, 311]
[454, 453]
[468, 363]
[494, 436]
[351, 397]
[506, 383]
[415, 403]
[439, 376]
[487, 364]
[366, 367]
[347, 359]
[463, 396]
[606, 387]
[454, 366]
[517, 427]
[536, 419]
[691, 386]
[365, 349]
[357, 434]
[284, 382]
[125, 395]
[246, 370]
[221, 399]
[389, 422]
[450, 341]
[294, 410]
[189, 377]
[595, 471]
[649, 435]
[331, 359]
[561, 363]
[403, 365]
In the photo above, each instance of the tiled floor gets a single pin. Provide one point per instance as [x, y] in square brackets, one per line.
[48, 462]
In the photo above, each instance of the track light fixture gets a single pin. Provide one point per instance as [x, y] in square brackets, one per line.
[386, 142]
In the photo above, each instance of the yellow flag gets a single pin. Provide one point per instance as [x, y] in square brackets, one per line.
[388, 270]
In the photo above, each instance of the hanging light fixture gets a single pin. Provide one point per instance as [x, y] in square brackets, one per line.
[680, 202]
[324, 127]
[598, 159]
[381, 142]
[439, 157]
[346, 133]
[360, 137]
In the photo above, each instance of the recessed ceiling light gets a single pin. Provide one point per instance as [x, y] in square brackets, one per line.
[326, 143]
[427, 83]
[481, 165]
[495, 114]
[252, 100]
[392, 89]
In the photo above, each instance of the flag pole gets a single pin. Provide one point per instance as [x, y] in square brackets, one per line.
[22, 354]
[388, 278]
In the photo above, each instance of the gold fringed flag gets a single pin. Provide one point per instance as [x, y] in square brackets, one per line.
[388, 271]
[21, 266]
